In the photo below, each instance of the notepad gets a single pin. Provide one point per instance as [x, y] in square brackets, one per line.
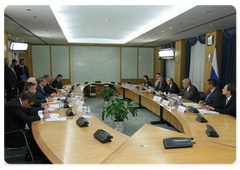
[56, 119]
[195, 105]
[204, 111]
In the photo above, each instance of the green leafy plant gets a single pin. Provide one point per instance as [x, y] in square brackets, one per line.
[107, 93]
[119, 110]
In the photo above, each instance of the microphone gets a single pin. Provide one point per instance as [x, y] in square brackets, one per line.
[65, 100]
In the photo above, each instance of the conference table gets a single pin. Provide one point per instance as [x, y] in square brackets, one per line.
[64, 142]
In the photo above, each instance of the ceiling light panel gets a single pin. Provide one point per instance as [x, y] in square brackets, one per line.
[80, 24]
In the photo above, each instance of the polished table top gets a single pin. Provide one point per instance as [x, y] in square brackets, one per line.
[66, 142]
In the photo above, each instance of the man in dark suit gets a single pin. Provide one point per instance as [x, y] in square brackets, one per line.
[213, 97]
[10, 80]
[171, 87]
[229, 104]
[161, 86]
[57, 82]
[21, 70]
[41, 93]
[16, 117]
[48, 88]
[190, 92]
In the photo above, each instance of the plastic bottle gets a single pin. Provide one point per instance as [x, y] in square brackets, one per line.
[179, 101]
[88, 110]
[72, 95]
[79, 90]
[61, 105]
[169, 95]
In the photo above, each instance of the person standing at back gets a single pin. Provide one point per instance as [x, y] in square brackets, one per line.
[10, 80]
[22, 73]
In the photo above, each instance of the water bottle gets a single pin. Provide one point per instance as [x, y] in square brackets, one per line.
[72, 95]
[169, 95]
[179, 101]
[61, 105]
[172, 103]
[88, 110]
[79, 90]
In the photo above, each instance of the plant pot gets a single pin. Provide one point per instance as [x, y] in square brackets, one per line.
[119, 126]
[106, 104]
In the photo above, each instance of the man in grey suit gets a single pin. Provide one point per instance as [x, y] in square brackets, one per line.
[190, 92]
[213, 97]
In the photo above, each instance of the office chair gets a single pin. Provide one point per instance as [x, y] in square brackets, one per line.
[17, 148]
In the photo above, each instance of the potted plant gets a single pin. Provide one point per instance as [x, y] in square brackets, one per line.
[118, 111]
[107, 93]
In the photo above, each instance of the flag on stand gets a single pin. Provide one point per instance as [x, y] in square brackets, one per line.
[214, 71]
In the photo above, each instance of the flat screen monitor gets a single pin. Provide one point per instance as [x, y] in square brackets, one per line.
[167, 53]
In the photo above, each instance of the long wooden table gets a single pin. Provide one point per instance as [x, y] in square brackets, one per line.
[66, 142]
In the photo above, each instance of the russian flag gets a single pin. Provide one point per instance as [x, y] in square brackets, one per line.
[214, 71]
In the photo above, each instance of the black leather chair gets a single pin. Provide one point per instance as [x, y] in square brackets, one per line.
[17, 148]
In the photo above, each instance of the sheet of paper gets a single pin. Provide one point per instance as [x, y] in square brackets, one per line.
[56, 98]
[204, 111]
[86, 116]
[54, 106]
[54, 115]
[192, 104]
[56, 119]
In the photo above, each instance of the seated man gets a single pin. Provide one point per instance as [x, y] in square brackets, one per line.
[146, 82]
[57, 82]
[171, 87]
[41, 93]
[229, 104]
[190, 92]
[16, 118]
[161, 86]
[48, 88]
[31, 87]
[213, 97]
[43, 100]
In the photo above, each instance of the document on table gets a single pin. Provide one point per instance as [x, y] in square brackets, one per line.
[204, 111]
[86, 116]
[56, 119]
[192, 104]
[56, 98]
[53, 106]
[54, 115]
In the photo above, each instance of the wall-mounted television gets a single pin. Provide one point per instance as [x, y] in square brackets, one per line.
[167, 53]
[18, 47]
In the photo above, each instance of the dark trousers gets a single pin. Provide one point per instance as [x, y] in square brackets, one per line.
[11, 94]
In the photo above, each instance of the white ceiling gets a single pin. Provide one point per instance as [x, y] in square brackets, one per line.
[117, 25]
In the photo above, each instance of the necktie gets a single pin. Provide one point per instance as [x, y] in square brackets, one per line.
[208, 96]
[226, 101]
[22, 70]
[160, 85]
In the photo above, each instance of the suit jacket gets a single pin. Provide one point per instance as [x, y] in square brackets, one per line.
[9, 78]
[48, 88]
[230, 108]
[15, 117]
[40, 94]
[19, 72]
[192, 94]
[174, 88]
[214, 100]
[57, 84]
[163, 86]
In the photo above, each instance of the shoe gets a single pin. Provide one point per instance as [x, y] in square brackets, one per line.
[28, 157]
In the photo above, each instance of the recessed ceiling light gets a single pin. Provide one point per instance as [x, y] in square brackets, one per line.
[39, 22]
[9, 35]
[28, 9]
[192, 18]
[107, 19]
[180, 23]
[162, 31]
[35, 16]
[17, 38]
[209, 11]
[170, 28]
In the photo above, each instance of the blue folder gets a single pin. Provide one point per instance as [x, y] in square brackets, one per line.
[23, 76]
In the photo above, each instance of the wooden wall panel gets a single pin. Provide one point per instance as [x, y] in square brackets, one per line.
[218, 36]
[180, 51]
